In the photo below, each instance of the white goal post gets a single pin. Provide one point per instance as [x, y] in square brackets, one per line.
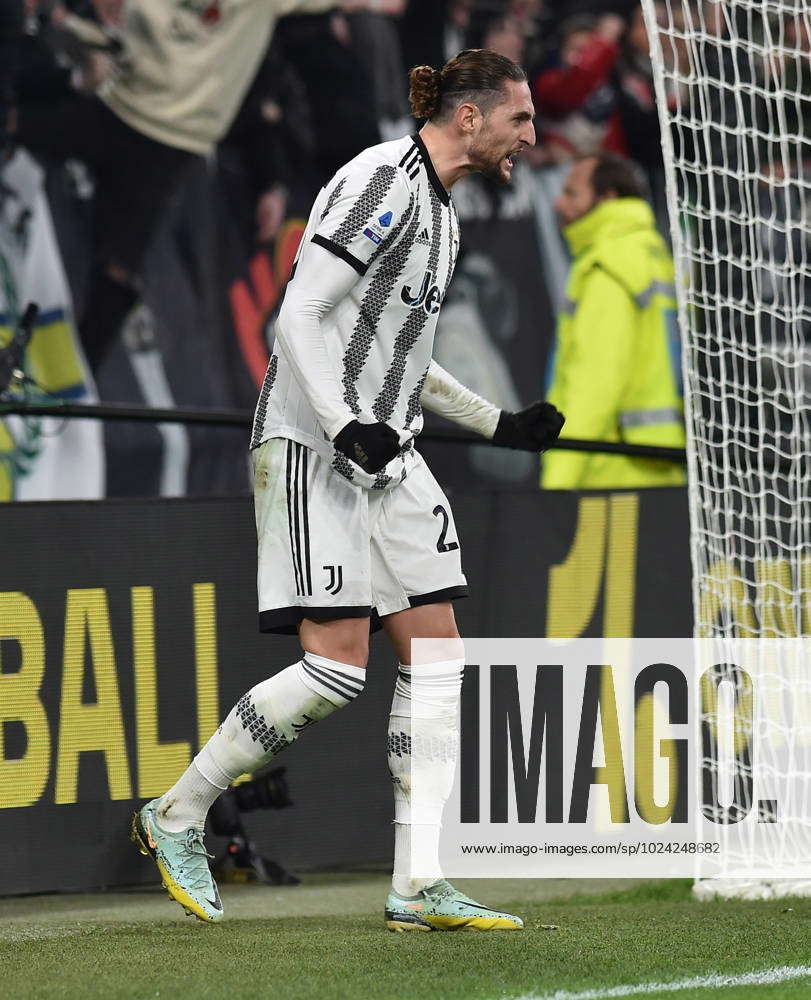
[733, 85]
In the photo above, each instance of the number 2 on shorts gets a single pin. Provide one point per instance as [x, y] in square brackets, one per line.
[442, 545]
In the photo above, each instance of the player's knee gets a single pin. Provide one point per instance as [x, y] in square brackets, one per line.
[437, 643]
[344, 641]
[355, 653]
[340, 650]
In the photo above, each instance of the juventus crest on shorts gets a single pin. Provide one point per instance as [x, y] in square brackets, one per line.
[387, 215]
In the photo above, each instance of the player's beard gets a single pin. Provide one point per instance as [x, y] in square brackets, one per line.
[486, 158]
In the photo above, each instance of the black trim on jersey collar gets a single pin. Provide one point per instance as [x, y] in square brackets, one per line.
[436, 183]
[341, 252]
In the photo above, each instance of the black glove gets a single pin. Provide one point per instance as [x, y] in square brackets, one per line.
[532, 429]
[371, 446]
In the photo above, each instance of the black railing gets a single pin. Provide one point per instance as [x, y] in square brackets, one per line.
[243, 419]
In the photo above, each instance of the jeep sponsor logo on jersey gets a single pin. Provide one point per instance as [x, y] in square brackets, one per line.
[429, 296]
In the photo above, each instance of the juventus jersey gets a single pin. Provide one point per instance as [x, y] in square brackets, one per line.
[387, 215]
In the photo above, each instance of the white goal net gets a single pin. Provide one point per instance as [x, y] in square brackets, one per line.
[733, 82]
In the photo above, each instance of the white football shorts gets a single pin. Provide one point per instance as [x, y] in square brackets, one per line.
[329, 550]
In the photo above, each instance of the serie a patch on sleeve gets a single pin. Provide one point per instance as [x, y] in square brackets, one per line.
[374, 231]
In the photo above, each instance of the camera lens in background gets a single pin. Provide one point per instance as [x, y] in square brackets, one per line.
[268, 790]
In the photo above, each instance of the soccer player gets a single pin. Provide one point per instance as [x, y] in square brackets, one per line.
[352, 525]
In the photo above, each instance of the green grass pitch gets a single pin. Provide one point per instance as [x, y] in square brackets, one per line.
[325, 940]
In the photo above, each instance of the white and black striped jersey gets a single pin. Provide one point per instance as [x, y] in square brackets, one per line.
[386, 214]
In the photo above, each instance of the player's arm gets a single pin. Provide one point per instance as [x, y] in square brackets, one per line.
[591, 388]
[363, 212]
[532, 429]
[323, 280]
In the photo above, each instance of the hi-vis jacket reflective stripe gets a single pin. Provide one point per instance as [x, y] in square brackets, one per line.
[616, 368]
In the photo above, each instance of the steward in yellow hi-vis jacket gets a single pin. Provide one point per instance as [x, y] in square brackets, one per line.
[616, 370]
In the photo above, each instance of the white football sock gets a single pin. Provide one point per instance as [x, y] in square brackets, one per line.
[187, 801]
[422, 749]
[262, 723]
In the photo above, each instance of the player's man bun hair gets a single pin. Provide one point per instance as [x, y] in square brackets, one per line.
[425, 91]
[475, 75]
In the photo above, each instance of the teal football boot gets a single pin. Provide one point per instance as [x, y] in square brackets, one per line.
[440, 907]
[182, 861]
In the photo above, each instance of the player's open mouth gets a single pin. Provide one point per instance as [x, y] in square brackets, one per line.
[512, 157]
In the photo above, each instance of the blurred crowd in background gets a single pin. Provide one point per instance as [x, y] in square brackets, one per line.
[332, 83]
[184, 137]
